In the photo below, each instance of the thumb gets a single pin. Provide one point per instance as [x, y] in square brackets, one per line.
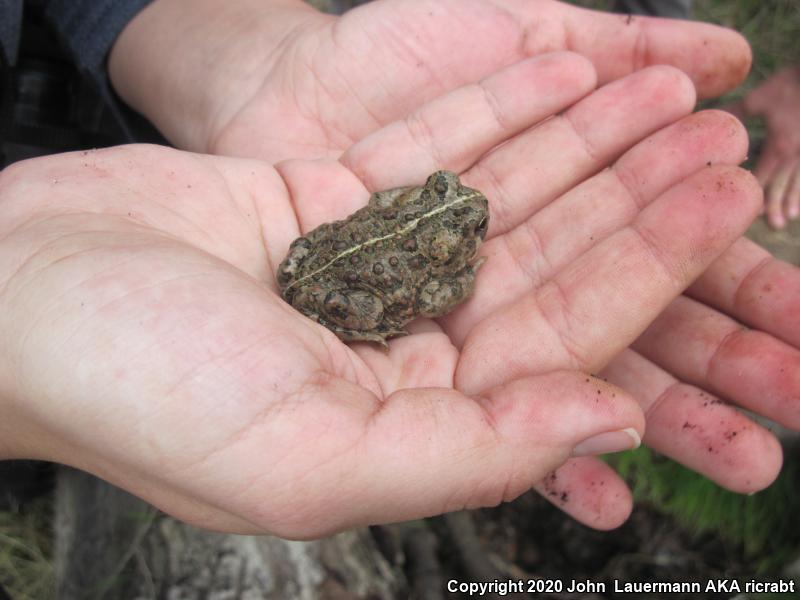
[429, 451]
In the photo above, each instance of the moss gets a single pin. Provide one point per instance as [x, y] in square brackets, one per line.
[766, 524]
[26, 568]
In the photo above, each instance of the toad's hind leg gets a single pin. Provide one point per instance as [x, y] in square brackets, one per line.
[354, 335]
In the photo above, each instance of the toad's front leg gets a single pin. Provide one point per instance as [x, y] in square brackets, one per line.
[441, 295]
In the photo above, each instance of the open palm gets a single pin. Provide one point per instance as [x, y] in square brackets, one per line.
[151, 348]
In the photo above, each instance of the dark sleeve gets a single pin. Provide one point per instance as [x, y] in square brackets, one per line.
[88, 28]
[10, 26]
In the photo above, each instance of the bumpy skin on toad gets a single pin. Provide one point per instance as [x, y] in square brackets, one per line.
[410, 252]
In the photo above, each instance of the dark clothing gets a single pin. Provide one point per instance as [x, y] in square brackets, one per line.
[56, 93]
[10, 27]
[86, 28]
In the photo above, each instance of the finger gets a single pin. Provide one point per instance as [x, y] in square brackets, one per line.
[570, 147]
[697, 429]
[584, 143]
[589, 491]
[747, 283]
[527, 255]
[597, 305]
[768, 164]
[792, 198]
[712, 351]
[717, 59]
[432, 451]
[776, 192]
[454, 130]
[786, 188]
[322, 191]
[760, 99]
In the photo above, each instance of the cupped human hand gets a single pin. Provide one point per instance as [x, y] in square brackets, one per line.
[778, 100]
[698, 363]
[277, 80]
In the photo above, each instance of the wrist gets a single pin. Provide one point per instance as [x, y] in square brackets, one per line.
[189, 65]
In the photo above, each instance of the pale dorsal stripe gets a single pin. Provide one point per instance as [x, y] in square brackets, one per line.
[410, 226]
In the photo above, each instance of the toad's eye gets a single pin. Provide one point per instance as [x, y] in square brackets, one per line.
[480, 230]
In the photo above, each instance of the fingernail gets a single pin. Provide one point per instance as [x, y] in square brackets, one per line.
[610, 441]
